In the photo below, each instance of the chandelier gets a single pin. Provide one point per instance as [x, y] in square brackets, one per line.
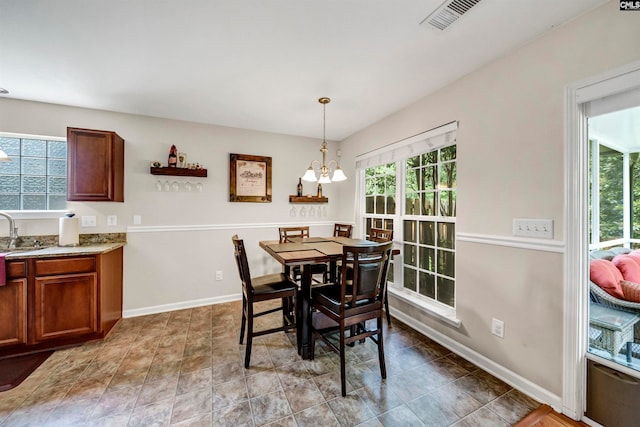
[310, 174]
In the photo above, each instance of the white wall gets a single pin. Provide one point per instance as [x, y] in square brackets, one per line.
[184, 237]
[510, 165]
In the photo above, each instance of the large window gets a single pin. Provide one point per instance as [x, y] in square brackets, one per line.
[429, 225]
[423, 180]
[36, 176]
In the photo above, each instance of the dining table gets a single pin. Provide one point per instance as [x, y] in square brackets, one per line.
[304, 252]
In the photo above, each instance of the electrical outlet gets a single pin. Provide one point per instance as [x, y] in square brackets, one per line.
[88, 221]
[541, 228]
[497, 328]
[137, 220]
[218, 275]
[112, 220]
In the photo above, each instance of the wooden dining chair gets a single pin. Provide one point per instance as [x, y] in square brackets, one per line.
[382, 235]
[342, 230]
[263, 288]
[350, 306]
[287, 233]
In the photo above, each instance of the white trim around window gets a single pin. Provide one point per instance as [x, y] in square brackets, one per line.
[397, 152]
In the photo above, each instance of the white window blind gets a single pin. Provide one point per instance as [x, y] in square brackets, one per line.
[426, 141]
[611, 103]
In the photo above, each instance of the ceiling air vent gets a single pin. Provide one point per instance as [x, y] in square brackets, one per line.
[448, 13]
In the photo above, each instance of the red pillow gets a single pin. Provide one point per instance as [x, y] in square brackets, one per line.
[606, 275]
[635, 255]
[631, 290]
[628, 266]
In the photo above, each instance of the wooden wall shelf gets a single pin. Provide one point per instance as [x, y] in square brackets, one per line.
[308, 199]
[201, 173]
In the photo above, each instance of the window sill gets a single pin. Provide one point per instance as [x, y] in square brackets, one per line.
[36, 214]
[447, 315]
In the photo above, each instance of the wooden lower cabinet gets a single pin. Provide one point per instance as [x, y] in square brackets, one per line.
[13, 313]
[65, 306]
[60, 301]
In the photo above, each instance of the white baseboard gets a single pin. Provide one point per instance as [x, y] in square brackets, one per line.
[180, 305]
[498, 371]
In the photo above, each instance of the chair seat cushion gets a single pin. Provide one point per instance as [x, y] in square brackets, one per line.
[272, 283]
[318, 268]
[329, 296]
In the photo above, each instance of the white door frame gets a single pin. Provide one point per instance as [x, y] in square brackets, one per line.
[576, 267]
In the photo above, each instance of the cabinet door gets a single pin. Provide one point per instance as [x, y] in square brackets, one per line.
[13, 312]
[95, 165]
[65, 306]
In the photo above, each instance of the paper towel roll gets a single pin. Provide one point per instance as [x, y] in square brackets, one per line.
[68, 232]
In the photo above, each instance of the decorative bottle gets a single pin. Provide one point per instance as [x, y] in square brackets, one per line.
[173, 157]
[319, 190]
[299, 187]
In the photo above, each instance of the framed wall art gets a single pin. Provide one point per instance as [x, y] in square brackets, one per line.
[249, 178]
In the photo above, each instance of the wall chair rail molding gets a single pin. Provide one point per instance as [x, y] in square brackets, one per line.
[213, 227]
[513, 242]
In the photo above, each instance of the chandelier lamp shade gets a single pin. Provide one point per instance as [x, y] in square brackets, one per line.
[324, 167]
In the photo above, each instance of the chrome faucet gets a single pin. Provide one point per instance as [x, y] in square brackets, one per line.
[13, 230]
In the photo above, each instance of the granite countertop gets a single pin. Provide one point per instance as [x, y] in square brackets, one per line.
[84, 249]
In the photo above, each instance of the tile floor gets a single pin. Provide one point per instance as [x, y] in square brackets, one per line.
[184, 368]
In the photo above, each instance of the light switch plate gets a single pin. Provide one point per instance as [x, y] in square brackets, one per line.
[137, 220]
[112, 220]
[88, 221]
[538, 228]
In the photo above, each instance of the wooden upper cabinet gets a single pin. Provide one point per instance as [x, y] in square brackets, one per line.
[95, 166]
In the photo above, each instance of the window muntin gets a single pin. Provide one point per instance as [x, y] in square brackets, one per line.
[36, 177]
[431, 182]
[429, 259]
[611, 194]
[380, 190]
